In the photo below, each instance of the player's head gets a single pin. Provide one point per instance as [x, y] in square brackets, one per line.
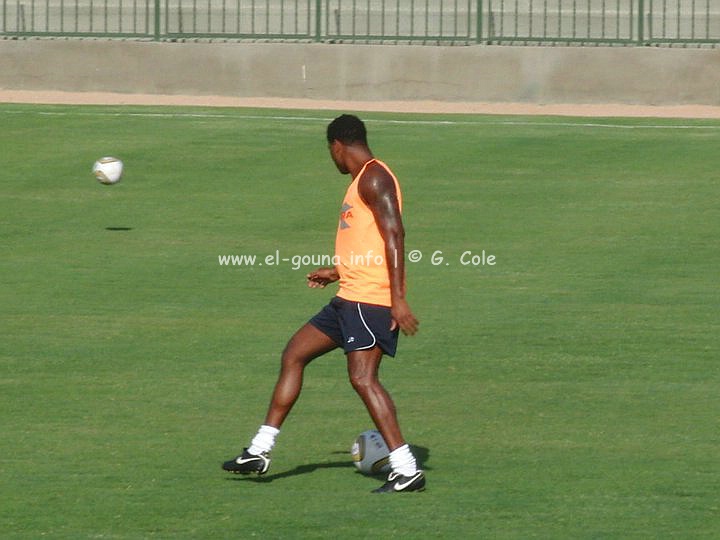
[348, 130]
[346, 135]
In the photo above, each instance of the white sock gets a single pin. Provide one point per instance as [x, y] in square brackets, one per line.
[264, 440]
[402, 461]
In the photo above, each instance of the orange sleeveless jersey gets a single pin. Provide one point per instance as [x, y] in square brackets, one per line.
[360, 249]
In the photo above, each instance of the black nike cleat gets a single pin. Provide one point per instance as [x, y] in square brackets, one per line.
[247, 463]
[397, 483]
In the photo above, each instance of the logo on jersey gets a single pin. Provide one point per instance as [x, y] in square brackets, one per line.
[345, 214]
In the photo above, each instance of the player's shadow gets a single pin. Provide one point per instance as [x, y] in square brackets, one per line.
[118, 228]
[300, 469]
[421, 453]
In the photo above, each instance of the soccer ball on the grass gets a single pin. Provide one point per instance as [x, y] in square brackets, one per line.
[108, 170]
[370, 454]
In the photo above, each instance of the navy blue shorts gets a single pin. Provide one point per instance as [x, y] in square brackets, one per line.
[355, 326]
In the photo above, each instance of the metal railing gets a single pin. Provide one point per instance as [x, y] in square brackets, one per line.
[236, 19]
[78, 18]
[611, 22]
[643, 22]
[396, 20]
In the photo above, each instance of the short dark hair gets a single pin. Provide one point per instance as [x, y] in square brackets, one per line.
[348, 129]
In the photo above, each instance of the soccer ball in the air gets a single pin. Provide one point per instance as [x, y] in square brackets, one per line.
[108, 170]
[370, 454]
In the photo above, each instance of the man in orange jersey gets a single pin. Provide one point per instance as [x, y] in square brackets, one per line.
[365, 316]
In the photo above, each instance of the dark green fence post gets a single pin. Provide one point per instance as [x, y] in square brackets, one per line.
[318, 20]
[641, 22]
[157, 20]
[478, 37]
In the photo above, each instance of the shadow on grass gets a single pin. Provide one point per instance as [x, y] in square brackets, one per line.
[421, 453]
[118, 228]
[300, 469]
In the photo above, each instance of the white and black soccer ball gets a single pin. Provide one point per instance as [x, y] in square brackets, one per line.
[370, 454]
[108, 170]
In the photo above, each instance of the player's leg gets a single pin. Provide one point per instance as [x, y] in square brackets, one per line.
[363, 368]
[306, 344]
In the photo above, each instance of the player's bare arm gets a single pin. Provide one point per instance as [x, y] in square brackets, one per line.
[377, 189]
[320, 278]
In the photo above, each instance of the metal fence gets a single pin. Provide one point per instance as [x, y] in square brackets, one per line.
[611, 22]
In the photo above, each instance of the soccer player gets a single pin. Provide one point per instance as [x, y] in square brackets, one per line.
[365, 316]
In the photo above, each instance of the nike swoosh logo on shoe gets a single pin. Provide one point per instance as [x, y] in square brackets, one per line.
[400, 486]
[241, 461]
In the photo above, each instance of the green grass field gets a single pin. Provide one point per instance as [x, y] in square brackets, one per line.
[568, 391]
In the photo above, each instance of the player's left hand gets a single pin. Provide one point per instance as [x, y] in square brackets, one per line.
[403, 317]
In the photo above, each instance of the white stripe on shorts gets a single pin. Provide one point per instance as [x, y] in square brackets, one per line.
[362, 319]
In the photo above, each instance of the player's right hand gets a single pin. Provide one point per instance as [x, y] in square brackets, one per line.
[321, 277]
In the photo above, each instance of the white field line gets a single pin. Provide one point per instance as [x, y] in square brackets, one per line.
[429, 122]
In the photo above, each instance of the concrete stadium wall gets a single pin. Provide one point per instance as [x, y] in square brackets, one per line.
[544, 75]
